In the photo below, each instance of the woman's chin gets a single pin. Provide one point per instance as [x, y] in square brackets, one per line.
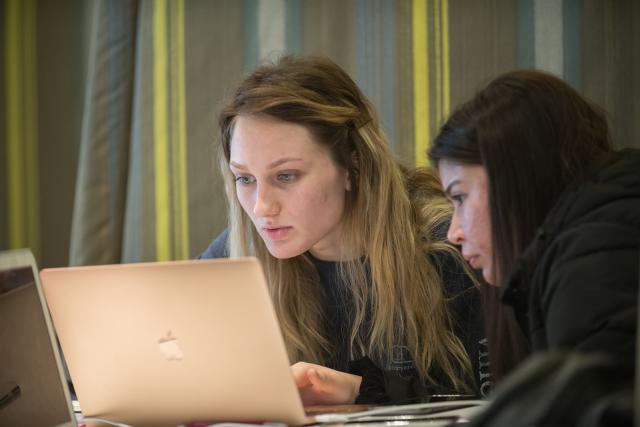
[488, 277]
[281, 252]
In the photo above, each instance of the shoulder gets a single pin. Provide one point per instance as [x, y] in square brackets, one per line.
[218, 248]
[612, 196]
[455, 279]
[583, 265]
[594, 219]
[602, 214]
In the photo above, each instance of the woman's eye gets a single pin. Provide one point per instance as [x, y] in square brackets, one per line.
[245, 180]
[457, 199]
[287, 177]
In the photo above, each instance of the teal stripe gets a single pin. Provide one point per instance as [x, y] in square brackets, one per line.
[292, 25]
[251, 52]
[388, 106]
[118, 22]
[526, 34]
[571, 42]
[363, 65]
[375, 72]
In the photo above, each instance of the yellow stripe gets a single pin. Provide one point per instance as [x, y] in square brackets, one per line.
[420, 79]
[31, 175]
[15, 154]
[172, 127]
[163, 251]
[182, 124]
[438, 62]
[22, 120]
[179, 134]
[445, 59]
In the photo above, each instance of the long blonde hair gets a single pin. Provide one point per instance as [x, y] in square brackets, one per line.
[390, 217]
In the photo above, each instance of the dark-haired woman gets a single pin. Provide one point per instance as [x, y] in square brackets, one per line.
[548, 211]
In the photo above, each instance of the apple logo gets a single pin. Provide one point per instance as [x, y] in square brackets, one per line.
[169, 347]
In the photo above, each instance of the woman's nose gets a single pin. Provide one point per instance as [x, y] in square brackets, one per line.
[266, 203]
[455, 234]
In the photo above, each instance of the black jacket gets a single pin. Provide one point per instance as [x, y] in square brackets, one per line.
[575, 291]
[576, 286]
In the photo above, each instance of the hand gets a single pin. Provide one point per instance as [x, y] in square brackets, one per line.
[319, 385]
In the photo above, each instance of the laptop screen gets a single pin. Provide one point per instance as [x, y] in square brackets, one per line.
[167, 343]
[32, 389]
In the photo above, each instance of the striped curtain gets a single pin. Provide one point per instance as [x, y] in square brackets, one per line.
[128, 172]
[147, 181]
[106, 135]
[147, 184]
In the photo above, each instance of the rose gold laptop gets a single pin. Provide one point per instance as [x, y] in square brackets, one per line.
[163, 344]
[33, 387]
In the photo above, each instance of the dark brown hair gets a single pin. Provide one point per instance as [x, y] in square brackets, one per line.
[534, 135]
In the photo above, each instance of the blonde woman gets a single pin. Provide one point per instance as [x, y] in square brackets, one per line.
[372, 303]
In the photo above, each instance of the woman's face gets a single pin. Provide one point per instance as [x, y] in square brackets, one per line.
[466, 187]
[289, 186]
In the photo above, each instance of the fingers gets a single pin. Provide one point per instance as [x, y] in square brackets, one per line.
[318, 380]
[319, 385]
[300, 376]
[310, 375]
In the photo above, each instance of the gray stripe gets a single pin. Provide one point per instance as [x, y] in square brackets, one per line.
[571, 40]
[375, 70]
[524, 25]
[271, 29]
[362, 47]
[97, 226]
[548, 35]
[292, 23]
[250, 35]
[388, 102]
[139, 215]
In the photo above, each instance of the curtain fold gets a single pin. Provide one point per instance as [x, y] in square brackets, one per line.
[105, 140]
[148, 186]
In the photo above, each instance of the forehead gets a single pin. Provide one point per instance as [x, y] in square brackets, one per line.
[452, 173]
[259, 136]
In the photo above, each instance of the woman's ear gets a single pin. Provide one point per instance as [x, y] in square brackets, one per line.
[352, 173]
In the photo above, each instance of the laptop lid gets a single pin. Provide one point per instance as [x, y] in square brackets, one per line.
[162, 344]
[33, 389]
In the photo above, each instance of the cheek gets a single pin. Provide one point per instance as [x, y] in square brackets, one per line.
[319, 207]
[482, 231]
[475, 226]
[245, 198]
[310, 204]
[334, 199]
[484, 224]
[325, 193]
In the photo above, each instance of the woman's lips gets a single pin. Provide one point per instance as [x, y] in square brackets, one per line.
[277, 233]
[472, 260]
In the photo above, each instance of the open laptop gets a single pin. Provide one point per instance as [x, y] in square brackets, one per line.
[168, 343]
[33, 388]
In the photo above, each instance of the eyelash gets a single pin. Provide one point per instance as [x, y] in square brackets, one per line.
[457, 199]
[290, 177]
[285, 178]
[242, 180]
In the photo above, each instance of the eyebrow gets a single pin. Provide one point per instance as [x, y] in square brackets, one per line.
[271, 165]
[447, 190]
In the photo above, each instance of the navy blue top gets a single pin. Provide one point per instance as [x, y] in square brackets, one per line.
[396, 379]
